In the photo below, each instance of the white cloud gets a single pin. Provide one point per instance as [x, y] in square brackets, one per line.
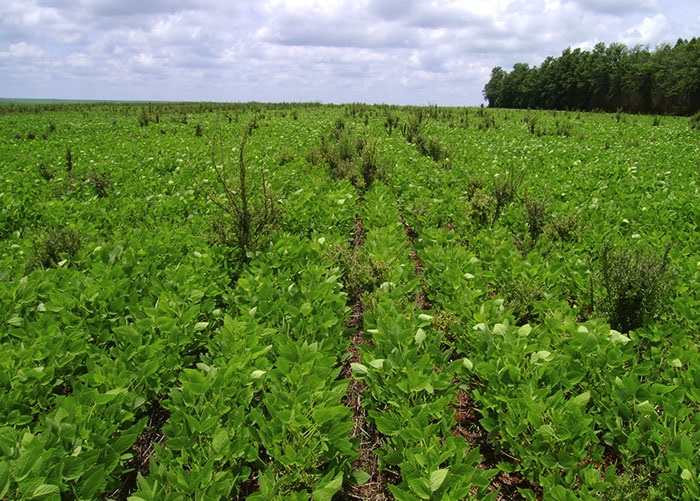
[25, 21]
[79, 60]
[145, 60]
[405, 51]
[24, 50]
[650, 29]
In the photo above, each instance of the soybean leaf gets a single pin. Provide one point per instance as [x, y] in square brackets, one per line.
[437, 478]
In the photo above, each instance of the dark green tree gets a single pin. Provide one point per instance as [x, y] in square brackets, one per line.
[609, 78]
[493, 89]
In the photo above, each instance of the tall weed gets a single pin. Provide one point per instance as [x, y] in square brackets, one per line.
[637, 285]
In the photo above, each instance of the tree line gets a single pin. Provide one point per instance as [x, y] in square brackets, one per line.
[608, 78]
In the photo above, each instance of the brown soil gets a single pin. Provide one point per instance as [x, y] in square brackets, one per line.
[369, 438]
[506, 484]
[143, 450]
[421, 298]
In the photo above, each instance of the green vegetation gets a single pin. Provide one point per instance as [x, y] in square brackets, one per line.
[610, 78]
[305, 301]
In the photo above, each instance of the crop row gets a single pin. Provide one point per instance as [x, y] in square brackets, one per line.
[409, 375]
[577, 406]
[145, 356]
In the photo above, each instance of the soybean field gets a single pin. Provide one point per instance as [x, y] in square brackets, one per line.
[314, 301]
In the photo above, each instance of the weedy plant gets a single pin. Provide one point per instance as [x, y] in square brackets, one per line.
[69, 161]
[488, 120]
[695, 121]
[362, 273]
[56, 244]
[249, 211]
[637, 284]
[351, 158]
[428, 146]
[520, 299]
[531, 121]
[504, 191]
[474, 184]
[144, 119]
[564, 128]
[391, 121]
[413, 126]
[369, 164]
[480, 208]
[432, 147]
[100, 183]
[563, 227]
[45, 172]
[535, 215]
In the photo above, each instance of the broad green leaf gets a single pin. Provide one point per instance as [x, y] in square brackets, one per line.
[327, 491]
[15, 321]
[387, 425]
[306, 309]
[219, 441]
[93, 484]
[360, 477]
[73, 467]
[468, 363]
[4, 478]
[525, 330]
[45, 490]
[508, 467]
[559, 493]
[615, 337]
[377, 363]
[195, 382]
[646, 407]
[419, 486]
[109, 395]
[540, 355]
[147, 489]
[686, 446]
[420, 336]
[200, 326]
[26, 460]
[500, 329]
[331, 413]
[546, 430]
[582, 399]
[359, 368]
[437, 478]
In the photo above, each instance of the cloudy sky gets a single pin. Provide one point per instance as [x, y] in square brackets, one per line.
[374, 51]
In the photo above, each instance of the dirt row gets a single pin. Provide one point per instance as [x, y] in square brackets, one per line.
[376, 488]
[466, 412]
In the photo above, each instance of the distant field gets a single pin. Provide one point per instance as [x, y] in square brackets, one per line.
[6, 100]
[211, 301]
